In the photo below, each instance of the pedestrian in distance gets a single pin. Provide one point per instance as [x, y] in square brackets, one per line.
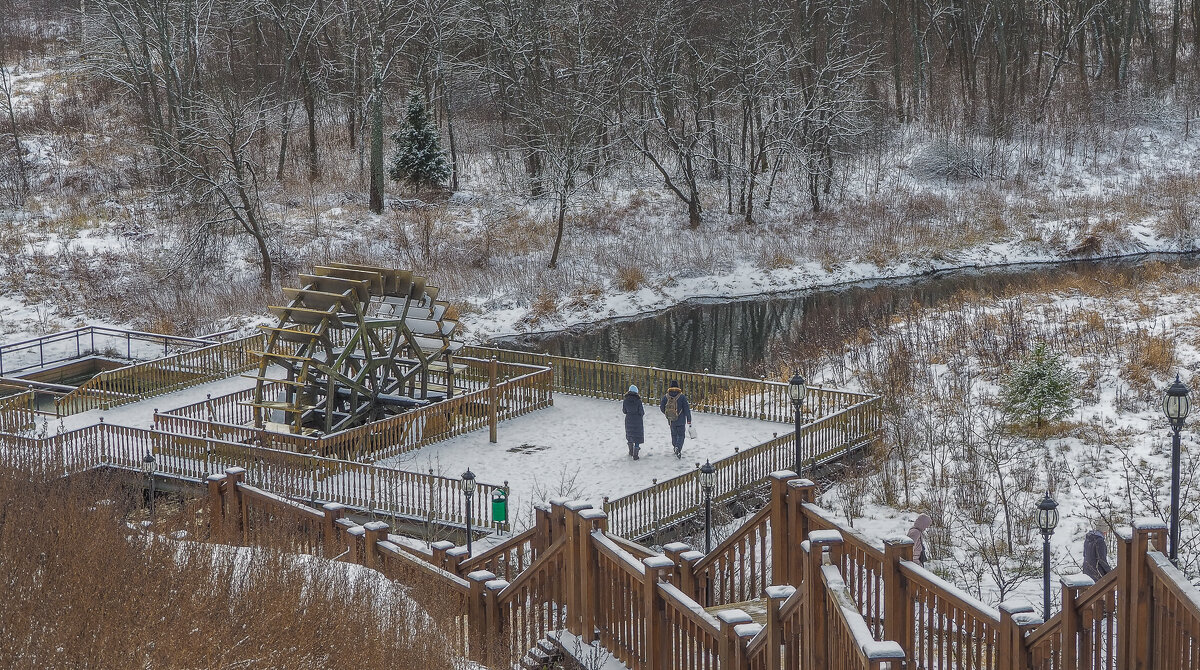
[917, 533]
[674, 406]
[1095, 555]
[635, 430]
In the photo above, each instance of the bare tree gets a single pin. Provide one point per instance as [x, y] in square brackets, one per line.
[220, 168]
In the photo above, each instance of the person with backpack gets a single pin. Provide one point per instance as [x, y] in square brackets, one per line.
[635, 431]
[917, 533]
[1095, 555]
[679, 415]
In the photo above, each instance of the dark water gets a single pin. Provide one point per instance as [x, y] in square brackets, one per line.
[738, 336]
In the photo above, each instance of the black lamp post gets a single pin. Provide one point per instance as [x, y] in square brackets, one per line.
[1176, 406]
[1047, 519]
[708, 479]
[148, 468]
[468, 489]
[796, 389]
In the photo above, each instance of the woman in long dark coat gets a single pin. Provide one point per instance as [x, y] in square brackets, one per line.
[635, 432]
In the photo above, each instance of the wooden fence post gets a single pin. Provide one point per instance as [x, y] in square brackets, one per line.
[543, 537]
[1138, 596]
[776, 595]
[329, 527]
[373, 532]
[216, 504]
[730, 654]
[454, 559]
[493, 400]
[589, 520]
[1007, 655]
[819, 541]
[658, 635]
[1072, 623]
[780, 547]
[233, 477]
[1124, 570]
[574, 565]
[477, 632]
[897, 604]
[439, 550]
[800, 492]
[499, 653]
[353, 533]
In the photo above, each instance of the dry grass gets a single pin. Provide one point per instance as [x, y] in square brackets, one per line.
[630, 278]
[83, 587]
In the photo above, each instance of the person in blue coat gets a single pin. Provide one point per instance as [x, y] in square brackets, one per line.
[679, 415]
[635, 431]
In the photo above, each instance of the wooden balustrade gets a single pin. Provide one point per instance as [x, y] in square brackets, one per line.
[521, 390]
[533, 603]
[507, 559]
[642, 512]
[18, 412]
[951, 627]
[713, 394]
[388, 491]
[695, 635]
[739, 568]
[861, 566]
[163, 375]
[621, 615]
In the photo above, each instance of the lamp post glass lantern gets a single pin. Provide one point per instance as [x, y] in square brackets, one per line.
[468, 489]
[797, 389]
[1047, 520]
[148, 469]
[708, 481]
[1176, 405]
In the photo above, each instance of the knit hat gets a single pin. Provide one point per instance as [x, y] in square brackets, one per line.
[632, 388]
[674, 384]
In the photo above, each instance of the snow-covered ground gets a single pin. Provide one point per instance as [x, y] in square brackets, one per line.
[1107, 463]
[577, 449]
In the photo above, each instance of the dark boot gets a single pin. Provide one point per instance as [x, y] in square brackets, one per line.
[632, 451]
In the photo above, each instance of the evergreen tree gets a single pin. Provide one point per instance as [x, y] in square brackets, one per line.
[419, 158]
[1041, 387]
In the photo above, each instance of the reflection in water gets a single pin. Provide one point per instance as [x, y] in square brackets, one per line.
[738, 336]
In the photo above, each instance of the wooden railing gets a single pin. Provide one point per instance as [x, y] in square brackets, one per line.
[1143, 614]
[714, 394]
[520, 389]
[413, 496]
[641, 513]
[18, 412]
[738, 569]
[242, 513]
[620, 615]
[163, 375]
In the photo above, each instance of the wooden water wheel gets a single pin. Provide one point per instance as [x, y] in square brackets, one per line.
[357, 344]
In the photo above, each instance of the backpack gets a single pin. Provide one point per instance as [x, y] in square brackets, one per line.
[672, 408]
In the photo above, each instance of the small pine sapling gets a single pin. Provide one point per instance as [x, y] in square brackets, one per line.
[419, 158]
[1041, 387]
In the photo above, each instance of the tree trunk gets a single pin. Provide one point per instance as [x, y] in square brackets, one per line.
[562, 217]
[376, 161]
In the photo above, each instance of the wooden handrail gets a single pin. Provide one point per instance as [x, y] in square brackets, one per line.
[618, 555]
[551, 554]
[483, 557]
[733, 539]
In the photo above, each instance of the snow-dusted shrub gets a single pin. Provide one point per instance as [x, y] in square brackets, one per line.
[1041, 388]
[950, 159]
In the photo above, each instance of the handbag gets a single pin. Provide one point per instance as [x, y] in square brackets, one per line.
[691, 431]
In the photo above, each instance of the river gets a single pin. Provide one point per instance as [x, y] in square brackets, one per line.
[739, 336]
